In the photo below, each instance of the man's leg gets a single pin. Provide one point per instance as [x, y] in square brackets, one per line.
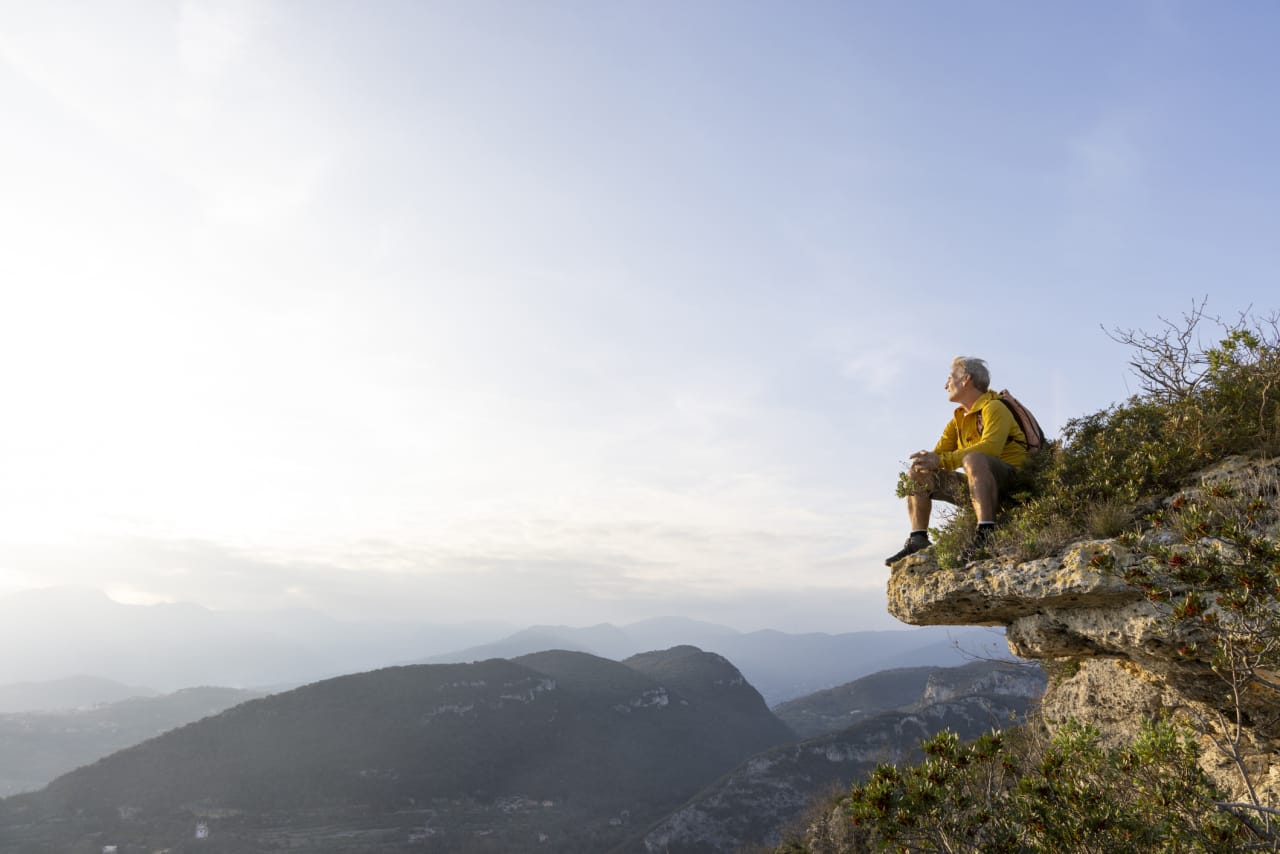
[986, 476]
[940, 485]
[919, 509]
[983, 488]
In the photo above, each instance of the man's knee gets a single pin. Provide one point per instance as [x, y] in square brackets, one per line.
[987, 472]
[983, 476]
[977, 466]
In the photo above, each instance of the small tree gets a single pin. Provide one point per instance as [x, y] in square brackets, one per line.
[1169, 362]
[950, 802]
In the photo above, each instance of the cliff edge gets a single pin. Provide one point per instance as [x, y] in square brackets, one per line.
[1117, 658]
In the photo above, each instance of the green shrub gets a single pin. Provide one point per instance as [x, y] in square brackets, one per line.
[1012, 792]
[955, 532]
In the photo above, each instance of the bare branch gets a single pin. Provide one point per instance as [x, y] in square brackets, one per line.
[1170, 362]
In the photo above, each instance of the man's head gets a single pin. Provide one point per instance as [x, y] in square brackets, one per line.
[968, 379]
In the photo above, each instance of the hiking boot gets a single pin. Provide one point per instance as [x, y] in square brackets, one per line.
[917, 541]
[979, 545]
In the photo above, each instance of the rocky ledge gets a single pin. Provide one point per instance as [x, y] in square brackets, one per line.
[1117, 656]
[1052, 608]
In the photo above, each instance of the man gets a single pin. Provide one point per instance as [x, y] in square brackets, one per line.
[985, 440]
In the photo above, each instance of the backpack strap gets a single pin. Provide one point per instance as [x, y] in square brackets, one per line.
[1023, 441]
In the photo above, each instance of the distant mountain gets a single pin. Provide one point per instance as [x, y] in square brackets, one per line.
[710, 681]
[791, 666]
[904, 689]
[73, 692]
[651, 633]
[36, 747]
[69, 631]
[752, 804]
[559, 751]
[780, 665]
[533, 639]
[839, 708]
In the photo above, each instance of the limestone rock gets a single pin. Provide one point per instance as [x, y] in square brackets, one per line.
[992, 593]
[1125, 659]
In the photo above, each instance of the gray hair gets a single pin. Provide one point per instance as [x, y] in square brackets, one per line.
[976, 369]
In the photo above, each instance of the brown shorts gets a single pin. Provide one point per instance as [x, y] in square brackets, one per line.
[953, 486]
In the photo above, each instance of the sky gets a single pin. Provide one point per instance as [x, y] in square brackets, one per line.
[579, 312]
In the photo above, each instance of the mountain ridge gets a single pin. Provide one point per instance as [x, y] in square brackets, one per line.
[482, 746]
[169, 647]
[778, 664]
[71, 692]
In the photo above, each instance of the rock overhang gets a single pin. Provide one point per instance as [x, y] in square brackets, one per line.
[999, 592]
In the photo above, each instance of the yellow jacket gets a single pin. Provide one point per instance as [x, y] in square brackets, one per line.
[988, 428]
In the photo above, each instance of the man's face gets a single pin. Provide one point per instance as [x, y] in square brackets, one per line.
[956, 382]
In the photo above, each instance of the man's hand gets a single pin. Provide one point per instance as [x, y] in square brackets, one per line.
[926, 460]
[923, 465]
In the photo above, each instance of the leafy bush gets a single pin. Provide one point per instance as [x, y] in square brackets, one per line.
[1011, 792]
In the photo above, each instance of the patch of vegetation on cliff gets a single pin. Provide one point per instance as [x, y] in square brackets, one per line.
[1108, 470]
[1012, 792]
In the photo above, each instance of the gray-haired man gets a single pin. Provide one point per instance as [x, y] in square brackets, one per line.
[984, 439]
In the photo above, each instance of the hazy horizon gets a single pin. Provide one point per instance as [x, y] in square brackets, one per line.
[167, 647]
[566, 313]
[94, 594]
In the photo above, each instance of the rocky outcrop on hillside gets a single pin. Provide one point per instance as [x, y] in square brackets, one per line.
[1121, 654]
[908, 689]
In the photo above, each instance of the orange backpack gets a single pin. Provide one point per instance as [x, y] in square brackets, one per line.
[1030, 426]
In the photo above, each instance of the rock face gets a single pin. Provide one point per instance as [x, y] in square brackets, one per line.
[1124, 655]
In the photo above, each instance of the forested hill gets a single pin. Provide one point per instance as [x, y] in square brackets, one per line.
[561, 747]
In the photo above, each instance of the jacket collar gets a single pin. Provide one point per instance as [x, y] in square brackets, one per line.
[982, 401]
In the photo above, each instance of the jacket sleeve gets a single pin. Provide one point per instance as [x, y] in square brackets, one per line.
[997, 421]
[949, 442]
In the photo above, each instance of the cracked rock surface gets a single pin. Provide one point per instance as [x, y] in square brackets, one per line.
[1121, 654]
